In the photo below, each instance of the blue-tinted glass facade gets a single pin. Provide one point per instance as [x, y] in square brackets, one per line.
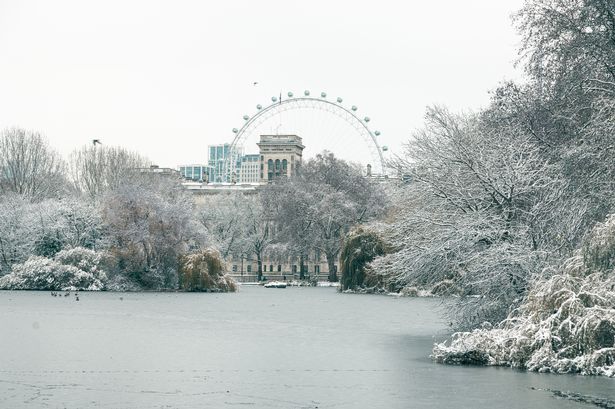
[197, 173]
[218, 154]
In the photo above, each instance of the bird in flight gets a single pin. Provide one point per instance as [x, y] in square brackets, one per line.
[96, 141]
[255, 83]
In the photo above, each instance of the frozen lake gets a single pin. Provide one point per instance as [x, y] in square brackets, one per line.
[258, 348]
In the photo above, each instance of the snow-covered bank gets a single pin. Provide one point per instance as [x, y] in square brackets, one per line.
[81, 269]
[68, 270]
[565, 325]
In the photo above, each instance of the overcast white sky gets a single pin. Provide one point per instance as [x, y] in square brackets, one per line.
[169, 78]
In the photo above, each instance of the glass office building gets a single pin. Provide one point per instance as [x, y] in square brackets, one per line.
[218, 154]
[197, 173]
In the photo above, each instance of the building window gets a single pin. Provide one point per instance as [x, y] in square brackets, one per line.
[249, 268]
[294, 268]
[270, 267]
[279, 268]
[317, 269]
[234, 268]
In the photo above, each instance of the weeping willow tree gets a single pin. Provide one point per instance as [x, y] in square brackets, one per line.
[204, 271]
[360, 248]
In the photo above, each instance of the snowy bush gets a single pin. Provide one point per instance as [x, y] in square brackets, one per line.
[204, 271]
[45, 228]
[76, 269]
[566, 323]
[84, 259]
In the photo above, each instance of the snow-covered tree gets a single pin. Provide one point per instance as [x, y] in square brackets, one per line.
[238, 226]
[95, 169]
[17, 231]
[28, 166]
[226, 218]
[568, 39]
[151, 221]
[316, 208]
[472, 214]
[498, 196]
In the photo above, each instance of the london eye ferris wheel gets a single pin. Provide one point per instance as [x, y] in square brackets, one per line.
[322, 122]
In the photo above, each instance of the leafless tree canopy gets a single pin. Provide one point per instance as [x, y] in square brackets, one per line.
[95, 169]
[28, 166]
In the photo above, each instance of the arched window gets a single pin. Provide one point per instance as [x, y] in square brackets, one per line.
[279, 268]
[277, 165]
[284, 164]
[270, 165]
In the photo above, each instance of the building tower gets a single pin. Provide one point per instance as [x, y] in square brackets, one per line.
[280, 156]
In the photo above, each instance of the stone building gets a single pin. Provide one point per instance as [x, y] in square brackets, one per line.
[280, 156]
[245, 268]
[249, 172]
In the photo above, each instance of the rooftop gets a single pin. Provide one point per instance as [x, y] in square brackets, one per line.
[280, 139]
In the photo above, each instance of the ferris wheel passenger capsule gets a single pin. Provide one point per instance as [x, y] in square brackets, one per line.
[366, 119]
[306, 93]
[385, 148]
[245, 117]
[377, 133]
[274, 99]
[259, 106]
[323, 94]
[339, 100]
[354, 108]
[290, 95]
[235, 130]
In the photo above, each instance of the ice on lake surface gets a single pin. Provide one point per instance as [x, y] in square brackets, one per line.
[260, 348]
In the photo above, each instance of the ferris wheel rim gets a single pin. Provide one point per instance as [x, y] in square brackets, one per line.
[262, 110]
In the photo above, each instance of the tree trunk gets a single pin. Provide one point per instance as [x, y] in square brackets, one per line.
[259, 262]
[331, 265]
[301, 268]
